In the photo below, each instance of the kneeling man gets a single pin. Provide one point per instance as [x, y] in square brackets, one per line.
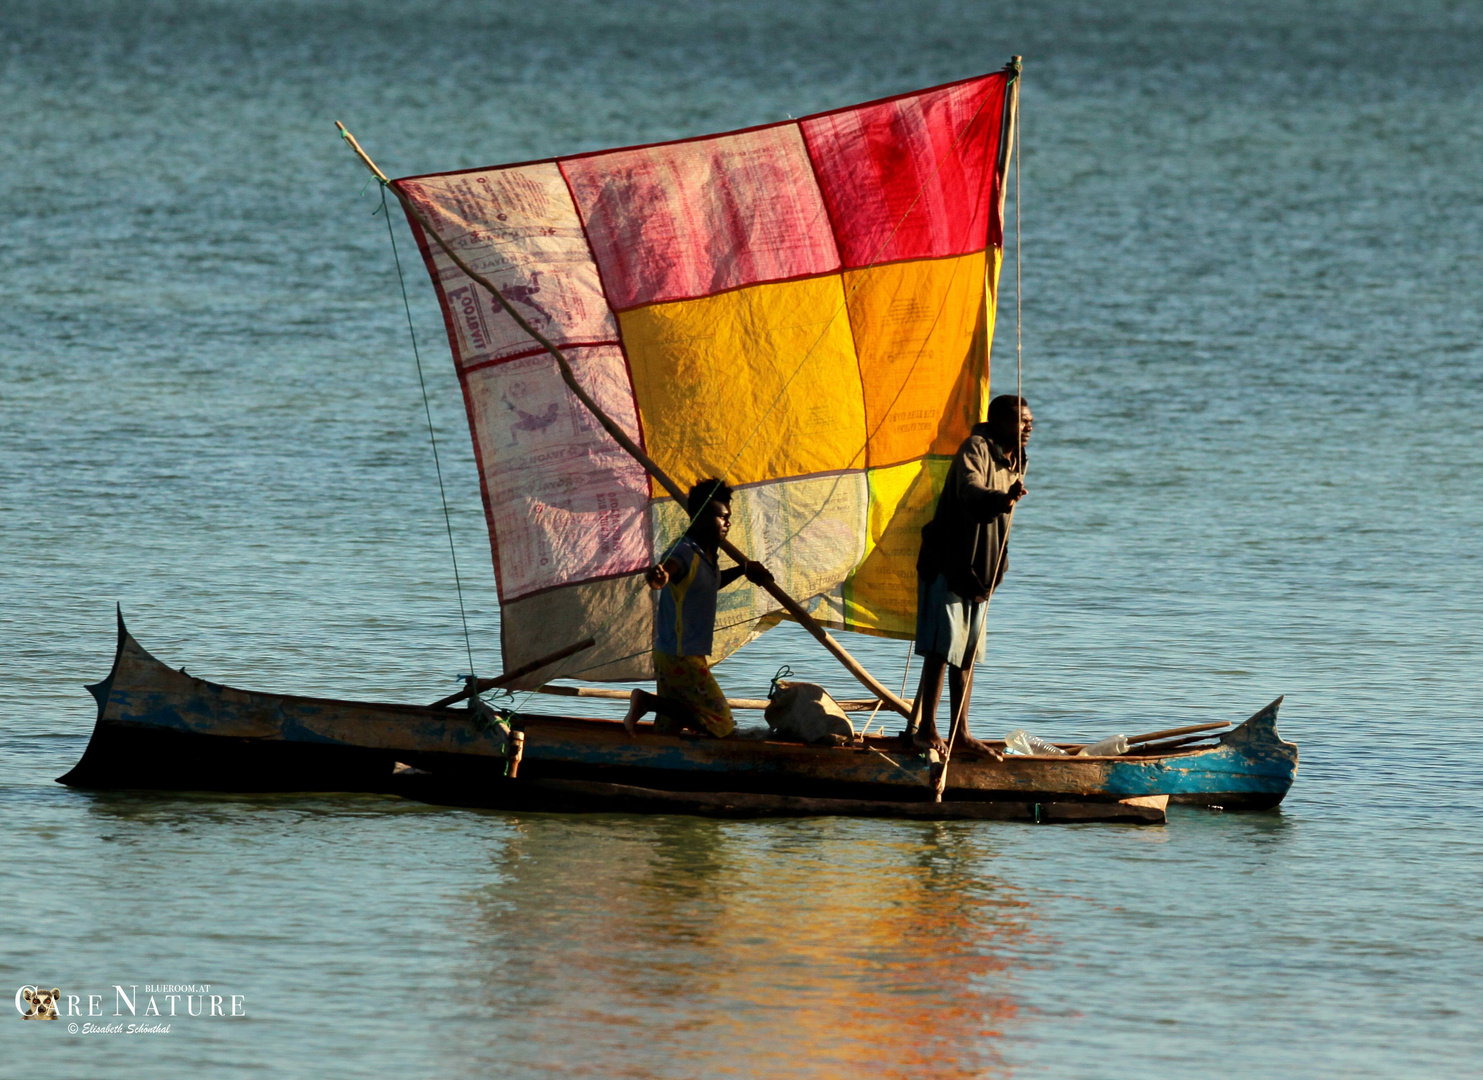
[689, 697]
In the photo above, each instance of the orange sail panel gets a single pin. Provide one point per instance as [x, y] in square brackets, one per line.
[802, 309]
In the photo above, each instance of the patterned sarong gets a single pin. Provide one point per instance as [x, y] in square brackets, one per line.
[688, 680]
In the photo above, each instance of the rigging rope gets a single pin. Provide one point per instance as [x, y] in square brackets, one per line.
[1019, 342]
[905, 674]
[431, 436]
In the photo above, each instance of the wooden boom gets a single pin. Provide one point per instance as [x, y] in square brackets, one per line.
[478, 686]
[756, 704]
[791, 606]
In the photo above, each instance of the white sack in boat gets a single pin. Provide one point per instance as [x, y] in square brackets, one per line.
[805, 712]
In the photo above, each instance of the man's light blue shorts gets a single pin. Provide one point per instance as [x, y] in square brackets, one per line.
[946, 623]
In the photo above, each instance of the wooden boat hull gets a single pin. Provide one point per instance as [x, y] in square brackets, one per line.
[163, 729]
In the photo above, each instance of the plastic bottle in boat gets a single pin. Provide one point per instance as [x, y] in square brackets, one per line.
[1020, 741]
[1111, 746]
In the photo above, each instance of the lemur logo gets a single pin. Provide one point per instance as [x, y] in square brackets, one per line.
[43, 1002]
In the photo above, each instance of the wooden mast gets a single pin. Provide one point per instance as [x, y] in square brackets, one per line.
[791, 606]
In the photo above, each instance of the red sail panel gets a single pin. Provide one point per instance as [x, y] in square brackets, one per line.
[912, 177]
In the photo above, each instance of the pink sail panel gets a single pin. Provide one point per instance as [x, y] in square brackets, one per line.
[695, 218]
[565, 502]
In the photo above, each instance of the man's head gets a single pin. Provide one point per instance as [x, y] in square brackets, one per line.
[709, 506]
[1011, 421]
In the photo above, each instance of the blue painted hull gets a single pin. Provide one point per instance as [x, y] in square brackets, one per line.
[1252, 768]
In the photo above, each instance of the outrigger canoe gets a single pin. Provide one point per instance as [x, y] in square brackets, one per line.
[804, 309]
[159, 728]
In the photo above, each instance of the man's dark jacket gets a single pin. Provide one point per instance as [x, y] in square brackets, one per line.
[965, 541]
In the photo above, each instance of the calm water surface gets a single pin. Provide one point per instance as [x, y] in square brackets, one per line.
[1251, 243]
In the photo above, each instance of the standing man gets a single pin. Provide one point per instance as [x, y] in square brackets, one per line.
[963, 558]
[689, 697]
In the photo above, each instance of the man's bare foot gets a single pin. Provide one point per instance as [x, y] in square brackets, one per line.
[635, 710]
[972, 747]
[928, 739]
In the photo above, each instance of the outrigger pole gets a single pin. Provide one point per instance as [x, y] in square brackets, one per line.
[791, 606]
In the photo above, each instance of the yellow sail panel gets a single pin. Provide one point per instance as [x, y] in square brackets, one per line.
[802, 310]
[880, 597]
[921, 328]
[755, 384]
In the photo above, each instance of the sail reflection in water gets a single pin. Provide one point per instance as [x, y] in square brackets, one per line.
[688, 947]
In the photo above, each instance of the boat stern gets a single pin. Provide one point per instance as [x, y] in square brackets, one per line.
[1252, 768]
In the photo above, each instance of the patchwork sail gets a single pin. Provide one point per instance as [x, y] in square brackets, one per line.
[802, 309]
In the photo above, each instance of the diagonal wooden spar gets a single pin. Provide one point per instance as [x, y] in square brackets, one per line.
[478, 686]
[791, 606]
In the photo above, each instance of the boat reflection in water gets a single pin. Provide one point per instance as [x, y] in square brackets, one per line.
[673, 946]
